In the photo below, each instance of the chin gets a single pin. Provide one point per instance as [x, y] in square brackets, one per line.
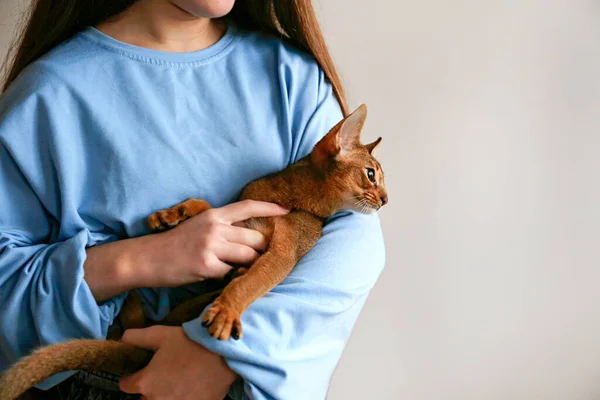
[206, 8]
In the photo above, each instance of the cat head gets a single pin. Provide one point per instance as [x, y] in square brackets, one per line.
[349, 166]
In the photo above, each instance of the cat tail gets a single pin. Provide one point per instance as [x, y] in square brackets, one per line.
[108, 356]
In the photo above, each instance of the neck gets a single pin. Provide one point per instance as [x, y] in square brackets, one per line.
[160, 25]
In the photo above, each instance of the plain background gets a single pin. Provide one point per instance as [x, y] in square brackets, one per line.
[490, 113]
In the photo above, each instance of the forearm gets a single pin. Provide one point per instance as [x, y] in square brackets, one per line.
[117, 267]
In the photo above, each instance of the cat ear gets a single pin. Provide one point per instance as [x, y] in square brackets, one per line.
[351, 128]
[345, 136]
[372, 146]
[327, 148]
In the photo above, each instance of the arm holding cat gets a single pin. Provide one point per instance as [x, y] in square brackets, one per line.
[295, 335]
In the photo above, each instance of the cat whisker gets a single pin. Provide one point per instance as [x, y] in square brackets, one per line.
[361, 203]
[365, 205]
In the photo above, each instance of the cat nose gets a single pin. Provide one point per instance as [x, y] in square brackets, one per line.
[384, 200]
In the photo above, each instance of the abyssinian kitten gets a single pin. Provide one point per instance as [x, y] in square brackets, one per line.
[340, 173]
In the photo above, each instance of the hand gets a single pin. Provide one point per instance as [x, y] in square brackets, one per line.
[202, 246]
[196, 249]
[180, 369]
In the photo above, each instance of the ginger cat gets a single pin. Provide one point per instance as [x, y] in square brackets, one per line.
[340, 173]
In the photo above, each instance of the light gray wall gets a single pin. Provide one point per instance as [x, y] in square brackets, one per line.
[490, 113]
[9, 14]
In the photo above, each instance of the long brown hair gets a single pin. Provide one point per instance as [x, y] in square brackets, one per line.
[50, 22]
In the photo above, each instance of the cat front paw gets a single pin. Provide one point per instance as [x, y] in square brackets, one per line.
[222, 321]
[171, 217]
[165, 219]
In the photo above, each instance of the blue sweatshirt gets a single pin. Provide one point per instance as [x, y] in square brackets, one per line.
[98, 134]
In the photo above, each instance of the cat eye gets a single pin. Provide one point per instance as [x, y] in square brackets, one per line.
[371, 174]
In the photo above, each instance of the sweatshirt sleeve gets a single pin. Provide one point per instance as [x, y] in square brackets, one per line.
[294, 335]
[43, 296]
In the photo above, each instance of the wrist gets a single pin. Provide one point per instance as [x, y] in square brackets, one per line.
[140, 264]
[117, 267]
[216, 361]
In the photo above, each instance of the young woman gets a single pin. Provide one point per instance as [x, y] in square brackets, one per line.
[115, 109]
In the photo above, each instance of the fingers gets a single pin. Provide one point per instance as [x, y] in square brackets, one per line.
[148, 338]
[215, 267]
[236, 253]
[242, 210]
[244, 236]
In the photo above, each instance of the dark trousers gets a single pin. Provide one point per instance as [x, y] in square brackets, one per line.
[84, 386]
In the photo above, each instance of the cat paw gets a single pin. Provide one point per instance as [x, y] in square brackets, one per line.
[171, 217]
[222, 322]
[166, 219]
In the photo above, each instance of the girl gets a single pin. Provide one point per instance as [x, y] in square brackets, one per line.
[115, 109]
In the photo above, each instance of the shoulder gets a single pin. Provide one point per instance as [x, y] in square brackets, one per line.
[293, 65]
[53, 79]
[44, 91]
[37, 93]
[61, 68]
[70, 60]
[305, 93]
[32, 91]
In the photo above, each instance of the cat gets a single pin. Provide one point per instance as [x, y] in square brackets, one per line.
[340, 173]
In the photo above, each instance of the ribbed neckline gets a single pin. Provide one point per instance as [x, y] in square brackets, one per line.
[160, 57]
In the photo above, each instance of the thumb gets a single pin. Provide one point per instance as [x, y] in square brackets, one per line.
[148, 338]
[132, 383]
